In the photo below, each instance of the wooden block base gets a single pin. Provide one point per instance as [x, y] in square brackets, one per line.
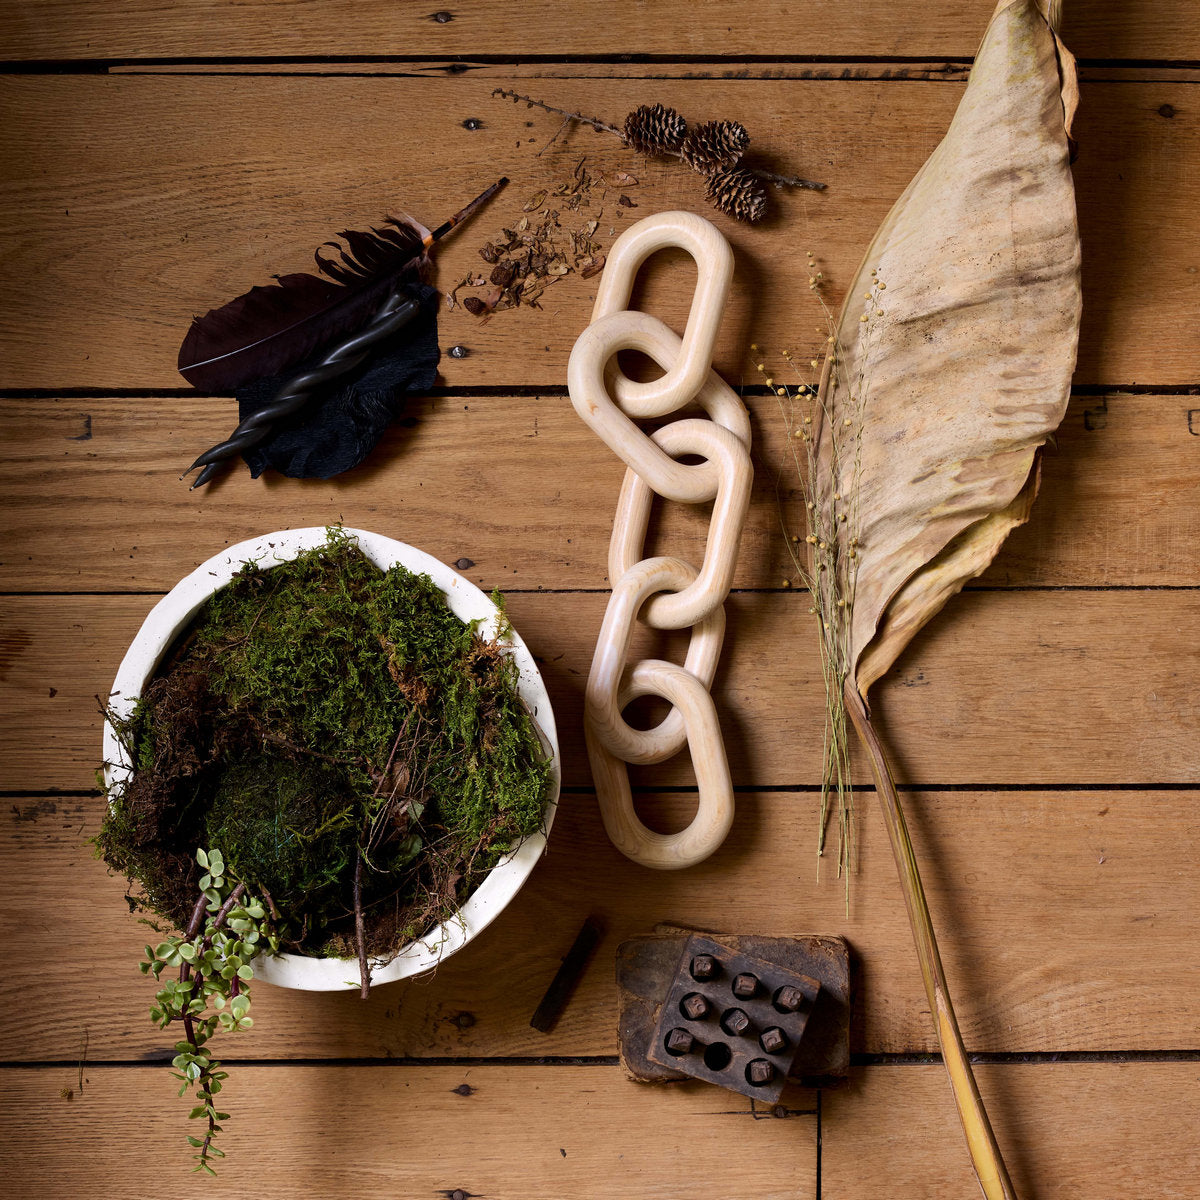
[646, 968]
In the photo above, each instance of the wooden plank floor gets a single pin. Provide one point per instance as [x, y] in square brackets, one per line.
[157, 157]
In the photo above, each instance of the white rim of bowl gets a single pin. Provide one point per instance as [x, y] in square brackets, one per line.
[468, 603]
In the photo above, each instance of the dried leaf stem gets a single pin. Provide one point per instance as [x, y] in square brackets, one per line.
[596, 123]
[981, 1141]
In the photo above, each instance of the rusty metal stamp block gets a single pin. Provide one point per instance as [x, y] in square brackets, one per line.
[648, 967]
[732, 1019]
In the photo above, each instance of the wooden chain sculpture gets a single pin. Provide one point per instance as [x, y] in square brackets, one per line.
[665, 593]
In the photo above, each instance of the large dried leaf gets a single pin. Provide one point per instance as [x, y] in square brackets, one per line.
[950, 393]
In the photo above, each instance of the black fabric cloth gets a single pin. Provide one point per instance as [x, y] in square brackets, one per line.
[339, 427]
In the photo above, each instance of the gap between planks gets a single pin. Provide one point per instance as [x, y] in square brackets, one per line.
[845, 69]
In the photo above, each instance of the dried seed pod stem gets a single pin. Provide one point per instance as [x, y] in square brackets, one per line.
[795, 181]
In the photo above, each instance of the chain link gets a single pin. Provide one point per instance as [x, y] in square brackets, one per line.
[665, 593]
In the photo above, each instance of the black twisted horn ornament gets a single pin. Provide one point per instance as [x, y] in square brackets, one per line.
[393, 314]
[296, 393]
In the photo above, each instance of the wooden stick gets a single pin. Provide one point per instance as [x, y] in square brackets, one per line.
[360, 941]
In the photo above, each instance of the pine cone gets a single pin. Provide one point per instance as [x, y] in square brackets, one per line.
[739, 193]
[715, 146]
[653, 129]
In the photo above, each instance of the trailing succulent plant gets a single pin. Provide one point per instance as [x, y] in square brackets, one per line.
[212, 991]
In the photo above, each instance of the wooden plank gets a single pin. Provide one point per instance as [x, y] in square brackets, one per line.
[1120, 501]
[152, 28]
[1005, 687]
[1066, 922]
[528, 1131]
[1066, 1129]
[178, 192]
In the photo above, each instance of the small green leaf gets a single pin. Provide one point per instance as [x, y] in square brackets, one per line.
[202, 858]
[245, 972]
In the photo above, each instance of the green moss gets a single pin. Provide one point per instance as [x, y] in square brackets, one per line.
[319, 712]
[290, 828]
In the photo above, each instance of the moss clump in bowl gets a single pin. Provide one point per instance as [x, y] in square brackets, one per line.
[359, 754]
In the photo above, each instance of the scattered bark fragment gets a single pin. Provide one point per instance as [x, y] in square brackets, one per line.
[555, 237]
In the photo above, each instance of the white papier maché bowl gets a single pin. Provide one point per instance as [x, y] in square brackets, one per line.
[467, 602]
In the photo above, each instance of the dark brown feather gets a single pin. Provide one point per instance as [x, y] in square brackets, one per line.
[271, 328]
